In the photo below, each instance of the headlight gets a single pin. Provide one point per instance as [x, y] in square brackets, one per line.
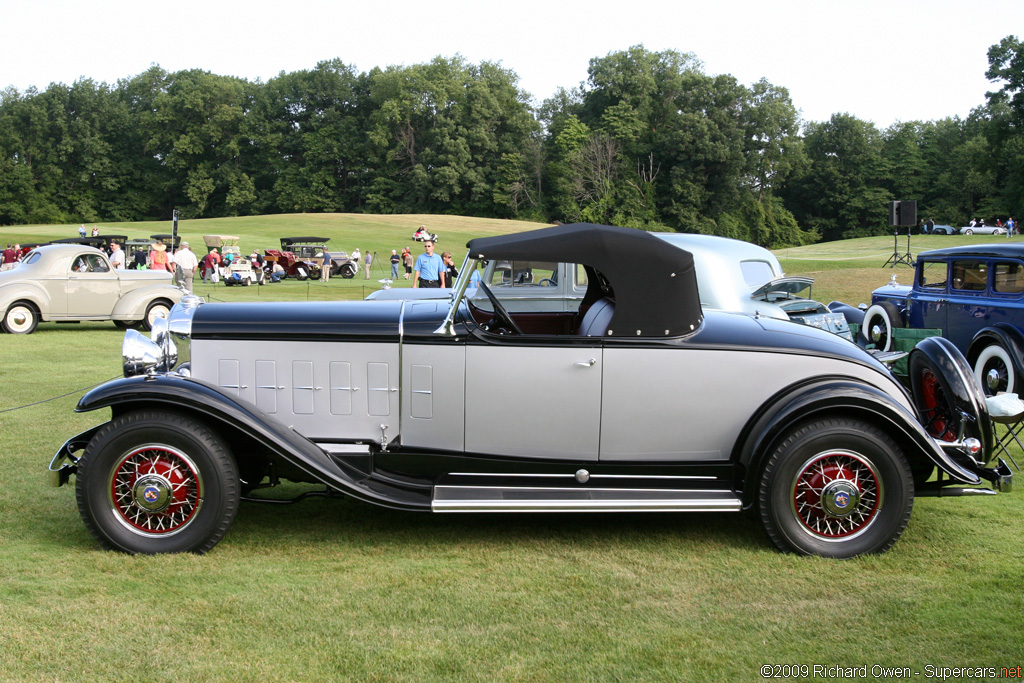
[168, 344]
[141, 355]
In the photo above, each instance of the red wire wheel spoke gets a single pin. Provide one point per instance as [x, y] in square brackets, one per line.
[935, 409]
[155, 490]
[836, 495]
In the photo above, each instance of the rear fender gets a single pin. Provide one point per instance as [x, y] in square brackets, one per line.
[842, 397]
[1004, 333]
[28, 291]
[189, 395]
[133, 305]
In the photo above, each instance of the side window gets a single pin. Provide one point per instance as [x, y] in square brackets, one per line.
[581, 277]
[97, 264]
[970, 276]
[756, 273]
[932, 275]
[527, 274]
[1008, 278]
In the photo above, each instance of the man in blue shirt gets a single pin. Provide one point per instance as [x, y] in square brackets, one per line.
[429, 269]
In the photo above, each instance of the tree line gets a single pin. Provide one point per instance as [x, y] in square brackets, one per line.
[649, 140]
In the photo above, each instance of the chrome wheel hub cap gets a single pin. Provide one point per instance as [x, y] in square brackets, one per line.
[840, 498]
[877, 333]
[993, 378]
[152, 493]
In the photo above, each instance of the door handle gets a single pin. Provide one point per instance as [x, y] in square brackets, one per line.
[585, 363]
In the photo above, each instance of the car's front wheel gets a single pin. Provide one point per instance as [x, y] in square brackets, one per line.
[968, 232]
[20, 318]
[348, 271]
[994, 370]
[836, 488]
[157, 483]
[879, 322]
[157, 309]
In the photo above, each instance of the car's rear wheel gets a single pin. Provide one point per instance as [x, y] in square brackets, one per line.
[126, 324]
[157, 309]
[836, 488]
[20, 318]
[879, 322]
[157, 483]
[994, 370]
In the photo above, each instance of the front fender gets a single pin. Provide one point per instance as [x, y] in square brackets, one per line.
[133, 305]
[966, 388]
[842, 397]
[186, 394]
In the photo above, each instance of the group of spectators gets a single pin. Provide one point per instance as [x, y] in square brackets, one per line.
[11, 257]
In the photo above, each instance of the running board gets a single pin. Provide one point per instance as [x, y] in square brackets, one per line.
[549, 499]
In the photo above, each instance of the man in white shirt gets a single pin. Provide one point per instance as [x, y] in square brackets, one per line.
[116, 256]
[185, 264]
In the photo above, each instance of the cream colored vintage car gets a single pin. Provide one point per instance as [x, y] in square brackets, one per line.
[73, 282]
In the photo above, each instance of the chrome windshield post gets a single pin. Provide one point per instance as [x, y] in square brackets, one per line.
[447, 327]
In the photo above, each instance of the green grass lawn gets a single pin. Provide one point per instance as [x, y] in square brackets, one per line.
[333, 589]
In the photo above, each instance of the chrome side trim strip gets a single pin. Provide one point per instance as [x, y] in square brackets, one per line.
[592, 476]
[538, 499]
[344, 448]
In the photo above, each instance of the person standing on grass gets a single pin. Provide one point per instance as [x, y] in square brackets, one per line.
[159, 259]
[185, 264]
[429, 270]
[10, 258]
[407, 260]
[325, 267]
[451, 273]
[395, 260]
[367, 262]
[116, 256]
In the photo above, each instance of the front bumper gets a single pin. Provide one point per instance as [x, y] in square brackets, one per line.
[65, 462]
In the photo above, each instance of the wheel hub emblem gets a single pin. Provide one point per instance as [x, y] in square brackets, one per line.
[152, 493]
[840, 497]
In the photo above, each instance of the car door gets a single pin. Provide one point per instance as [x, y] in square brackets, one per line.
[93, 287]
[969, 305]
[929, 299]
[533, 396]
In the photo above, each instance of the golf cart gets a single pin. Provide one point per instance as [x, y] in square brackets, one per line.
[237, 268]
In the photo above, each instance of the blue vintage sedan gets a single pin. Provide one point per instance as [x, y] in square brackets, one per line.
[975, 295]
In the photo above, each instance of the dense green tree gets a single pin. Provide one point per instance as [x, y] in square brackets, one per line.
[649, 140]
[444, 138]
[840, 192]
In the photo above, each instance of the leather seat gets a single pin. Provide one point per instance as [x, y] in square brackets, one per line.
[599, 316]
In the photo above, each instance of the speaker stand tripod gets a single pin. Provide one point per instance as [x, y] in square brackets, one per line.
[897, 257]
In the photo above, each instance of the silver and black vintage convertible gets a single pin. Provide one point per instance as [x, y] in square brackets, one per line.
[633, 399]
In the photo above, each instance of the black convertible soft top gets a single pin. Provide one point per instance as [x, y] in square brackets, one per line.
[304, 240]
[654, 283]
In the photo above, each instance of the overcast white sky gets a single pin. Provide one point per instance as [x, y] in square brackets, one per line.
[883, 61]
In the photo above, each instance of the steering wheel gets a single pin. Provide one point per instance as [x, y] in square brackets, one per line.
[500, 313]
[546, 282]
